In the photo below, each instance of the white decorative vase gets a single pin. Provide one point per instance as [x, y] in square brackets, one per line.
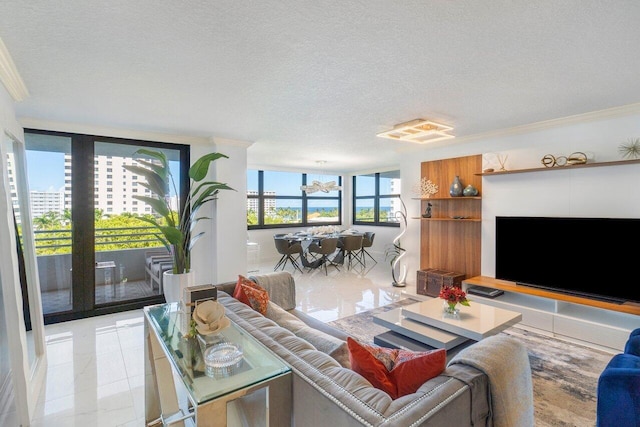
[173, 285]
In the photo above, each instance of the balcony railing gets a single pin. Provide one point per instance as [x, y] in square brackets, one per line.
[58, 241]
[125, 246]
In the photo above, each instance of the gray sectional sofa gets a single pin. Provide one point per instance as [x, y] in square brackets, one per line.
[326, 392]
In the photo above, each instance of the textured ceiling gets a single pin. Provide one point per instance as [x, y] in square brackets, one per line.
[308, 80]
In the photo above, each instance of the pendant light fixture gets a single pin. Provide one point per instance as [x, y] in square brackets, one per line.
[317, 185]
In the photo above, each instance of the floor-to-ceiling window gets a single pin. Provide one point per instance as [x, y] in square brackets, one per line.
[90, 238]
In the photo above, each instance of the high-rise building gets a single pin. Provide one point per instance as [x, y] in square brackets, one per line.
[395, 188]
[11, 172]
[43, 202]
[114, 186]
[269, 204]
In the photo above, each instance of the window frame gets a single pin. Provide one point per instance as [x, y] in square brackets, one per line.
[304, 198]
[376, 202]
[82, 207]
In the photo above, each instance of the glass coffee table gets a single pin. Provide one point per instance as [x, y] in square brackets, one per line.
[424, 325]
[179, 388]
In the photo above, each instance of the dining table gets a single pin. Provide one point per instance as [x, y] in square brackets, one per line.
[306, 238]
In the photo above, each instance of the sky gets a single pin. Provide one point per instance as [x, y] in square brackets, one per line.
[45, 170]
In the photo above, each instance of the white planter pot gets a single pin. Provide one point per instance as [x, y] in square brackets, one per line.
[173, 284]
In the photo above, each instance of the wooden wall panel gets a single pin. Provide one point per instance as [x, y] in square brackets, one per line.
[447, 243]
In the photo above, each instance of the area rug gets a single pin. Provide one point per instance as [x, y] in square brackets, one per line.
[565, 375]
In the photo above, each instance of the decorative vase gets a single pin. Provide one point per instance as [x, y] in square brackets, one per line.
[450, 308]
[470, 191]
[173, 285]
[456, 187]
[427, 211]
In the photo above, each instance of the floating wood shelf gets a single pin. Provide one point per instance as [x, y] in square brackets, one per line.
[449, 219]
[448, 198]
[555, 168]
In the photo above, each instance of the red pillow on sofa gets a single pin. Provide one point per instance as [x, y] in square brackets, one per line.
[252, 294]
[397, 372]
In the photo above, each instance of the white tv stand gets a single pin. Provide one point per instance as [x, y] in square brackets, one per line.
[591, 322]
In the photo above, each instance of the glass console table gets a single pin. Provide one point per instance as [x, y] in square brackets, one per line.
[179, 393]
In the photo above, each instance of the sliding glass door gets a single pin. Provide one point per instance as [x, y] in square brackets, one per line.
[121, 237]
[91, 240]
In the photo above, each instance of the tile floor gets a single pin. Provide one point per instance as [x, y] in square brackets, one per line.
[95, 375]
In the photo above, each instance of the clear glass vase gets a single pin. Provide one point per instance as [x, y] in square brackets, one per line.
[450, 308]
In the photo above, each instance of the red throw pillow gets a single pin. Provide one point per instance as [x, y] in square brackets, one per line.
[397, 372]
[367, 365]
[412, 369]
[258, 298]
[252, 294]
[237, 292]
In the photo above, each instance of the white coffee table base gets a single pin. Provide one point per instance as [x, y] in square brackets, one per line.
[433, 337]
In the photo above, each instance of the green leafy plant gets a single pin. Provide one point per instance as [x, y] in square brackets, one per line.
[176, 227]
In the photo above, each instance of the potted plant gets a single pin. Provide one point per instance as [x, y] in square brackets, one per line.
[175, 228]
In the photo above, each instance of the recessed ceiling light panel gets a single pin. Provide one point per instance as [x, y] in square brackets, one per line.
[419, 130]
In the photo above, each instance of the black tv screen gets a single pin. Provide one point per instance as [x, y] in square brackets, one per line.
[589, 257]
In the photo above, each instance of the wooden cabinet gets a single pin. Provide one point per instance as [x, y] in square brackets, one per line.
[450, 239]
[585, 320]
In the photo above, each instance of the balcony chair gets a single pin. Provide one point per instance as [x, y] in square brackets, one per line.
[152, 270]
[288, 250]
[327, 246]
[367, 242]
[352, 248]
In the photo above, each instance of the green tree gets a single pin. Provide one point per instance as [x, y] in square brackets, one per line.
[252, 217]
[47, 221]
[365, 215]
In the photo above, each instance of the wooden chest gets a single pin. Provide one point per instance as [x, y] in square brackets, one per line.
[431, 280]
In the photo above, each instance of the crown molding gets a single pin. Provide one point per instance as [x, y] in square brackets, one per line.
[593, 116]
[620, 111]
[10, 77]
[231, 142]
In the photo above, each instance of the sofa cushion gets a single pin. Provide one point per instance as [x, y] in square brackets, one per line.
[397, 372]
[326, 343]
[251, 294]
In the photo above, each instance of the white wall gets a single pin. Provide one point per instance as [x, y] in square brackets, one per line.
[597, 192]
[231, 213]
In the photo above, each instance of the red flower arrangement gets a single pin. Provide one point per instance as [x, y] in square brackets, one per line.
[453, 296]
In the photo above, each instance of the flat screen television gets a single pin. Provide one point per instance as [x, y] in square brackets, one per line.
[588, 257]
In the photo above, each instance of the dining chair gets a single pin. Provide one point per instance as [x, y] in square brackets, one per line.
[288, 250]
[367, 242]
[325, 247]
[352, 246]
